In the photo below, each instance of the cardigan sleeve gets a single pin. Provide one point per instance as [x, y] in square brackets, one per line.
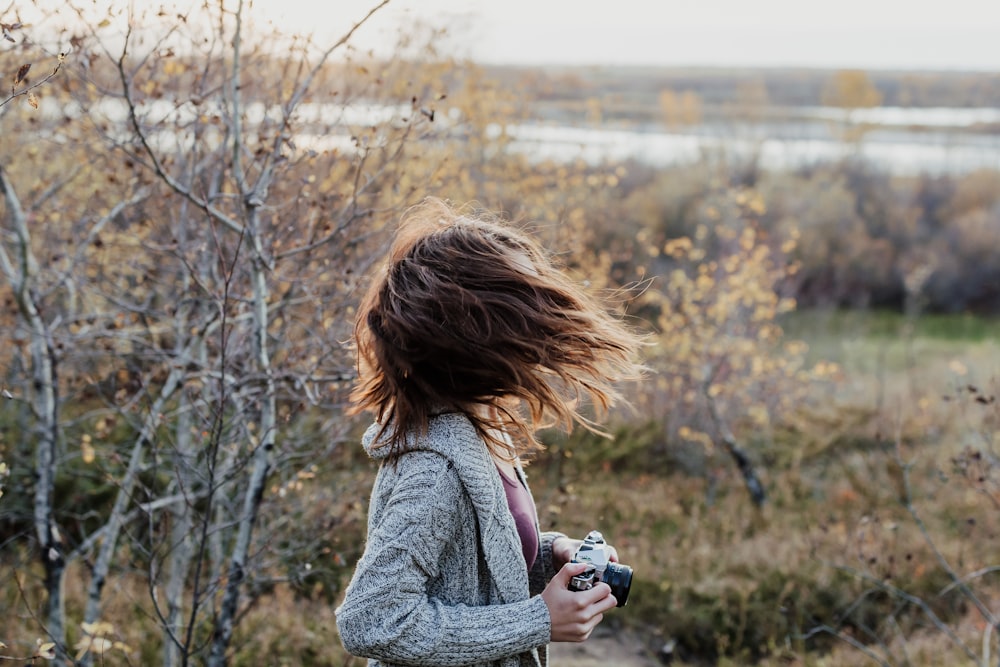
[387, 613]
[544, 568]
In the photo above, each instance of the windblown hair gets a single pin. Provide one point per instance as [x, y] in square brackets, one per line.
[469, 315]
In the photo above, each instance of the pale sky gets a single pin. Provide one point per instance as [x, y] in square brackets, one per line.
[907, 34]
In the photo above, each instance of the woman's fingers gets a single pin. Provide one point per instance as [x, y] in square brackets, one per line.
[575, 614]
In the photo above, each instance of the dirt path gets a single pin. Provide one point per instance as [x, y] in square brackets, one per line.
[605, 648]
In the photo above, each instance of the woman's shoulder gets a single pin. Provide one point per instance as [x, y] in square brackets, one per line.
[418, 480]
[450, 450]
[450, 434]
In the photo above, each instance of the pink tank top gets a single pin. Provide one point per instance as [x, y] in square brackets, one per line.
[522, 508]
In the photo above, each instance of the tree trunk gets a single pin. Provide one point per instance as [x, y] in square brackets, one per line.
[45, 404]
[49, 540]
[181, 545]
[261, 456]
[126, 487]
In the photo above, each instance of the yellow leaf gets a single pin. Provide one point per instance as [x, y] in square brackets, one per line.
[46, 650]
[81, 647]
[957, 367]
[100, 645]
[98, 628]
[32, 100]
[87, 452]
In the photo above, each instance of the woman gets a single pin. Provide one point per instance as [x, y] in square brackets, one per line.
[468, 342]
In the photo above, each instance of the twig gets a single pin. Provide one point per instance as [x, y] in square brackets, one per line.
[907, 500]
[26, 91]
[850, 640]
[912, 599]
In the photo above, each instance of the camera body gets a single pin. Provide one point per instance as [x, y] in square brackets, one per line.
[597, 554]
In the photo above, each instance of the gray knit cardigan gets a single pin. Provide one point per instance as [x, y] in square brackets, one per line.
[442, 580]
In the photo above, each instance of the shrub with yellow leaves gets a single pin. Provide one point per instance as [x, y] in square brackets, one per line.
[719, 356]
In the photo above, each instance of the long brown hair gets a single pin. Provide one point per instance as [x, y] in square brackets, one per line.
[469, 313]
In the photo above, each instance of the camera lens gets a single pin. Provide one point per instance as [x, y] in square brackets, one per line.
[619, 578]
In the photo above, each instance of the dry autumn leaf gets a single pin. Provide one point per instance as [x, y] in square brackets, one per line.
[22, 72]
[88, 455]
[7, 28]
[47, 650]
[98, 628]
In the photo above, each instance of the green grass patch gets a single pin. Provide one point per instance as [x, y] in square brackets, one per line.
[816, 324]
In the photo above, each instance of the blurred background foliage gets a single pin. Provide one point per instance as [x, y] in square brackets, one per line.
[826, 333]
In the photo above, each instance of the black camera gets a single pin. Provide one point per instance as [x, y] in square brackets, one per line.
[598, 554]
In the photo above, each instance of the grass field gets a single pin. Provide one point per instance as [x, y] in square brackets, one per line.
[882, 492]
[877, 545]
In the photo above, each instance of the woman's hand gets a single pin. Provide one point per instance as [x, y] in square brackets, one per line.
[564, 548]
[575, 614]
